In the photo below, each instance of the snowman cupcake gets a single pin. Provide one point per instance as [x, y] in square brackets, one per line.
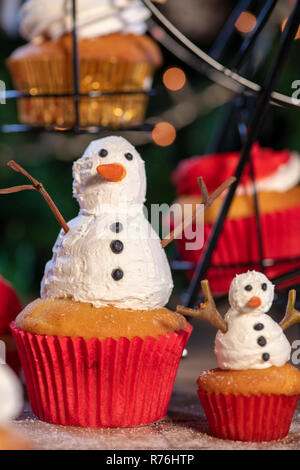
[99, 349]
[253, 394]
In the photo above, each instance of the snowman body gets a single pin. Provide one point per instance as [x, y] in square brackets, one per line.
[111, 254]
[253, 339]
[251, 342]
[103, 275]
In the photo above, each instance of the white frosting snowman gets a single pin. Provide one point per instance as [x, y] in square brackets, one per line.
[111, 254]
[253, 340]
[11, 395]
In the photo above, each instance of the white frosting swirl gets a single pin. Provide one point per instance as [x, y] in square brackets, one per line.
[240, 348]
[83, 260]
[53, 18]
[286, 177]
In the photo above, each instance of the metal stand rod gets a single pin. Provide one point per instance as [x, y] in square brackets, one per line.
[249, 42]
[257, 219]
[242, 126]
[76, 71]
[255, 124]
[228, 29]
[240, 66]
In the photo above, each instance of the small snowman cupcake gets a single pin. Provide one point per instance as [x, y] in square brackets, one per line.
[253, 394]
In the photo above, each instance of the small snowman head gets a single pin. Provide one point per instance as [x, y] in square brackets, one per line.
[110, 172]
[251, 292]
[11, 394]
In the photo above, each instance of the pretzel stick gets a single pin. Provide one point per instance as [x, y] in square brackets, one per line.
[207, 310]
[16, 189]
[292, 315]
[36, 186]
[207, 201]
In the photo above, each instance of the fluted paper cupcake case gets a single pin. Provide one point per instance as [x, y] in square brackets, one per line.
[94, 383]
[238, 244]
[252, 418]
[55, 76]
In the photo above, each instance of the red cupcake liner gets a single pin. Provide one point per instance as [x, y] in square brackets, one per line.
[238, 244]
[94, 383]
[253, 418]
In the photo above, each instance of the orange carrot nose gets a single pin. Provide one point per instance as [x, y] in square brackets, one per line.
[254, 302]
[112, 172]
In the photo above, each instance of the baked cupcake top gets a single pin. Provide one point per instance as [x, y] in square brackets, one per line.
[64, 317]
[284, 380]
[43, 19]
[130, 48]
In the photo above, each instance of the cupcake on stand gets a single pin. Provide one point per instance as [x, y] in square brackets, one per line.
[114, 55]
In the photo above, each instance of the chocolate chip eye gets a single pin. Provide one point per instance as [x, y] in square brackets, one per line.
[248, 287]
[264, 286]
[129, 156]
[103, 153]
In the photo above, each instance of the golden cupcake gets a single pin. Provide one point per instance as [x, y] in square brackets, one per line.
[114, 55]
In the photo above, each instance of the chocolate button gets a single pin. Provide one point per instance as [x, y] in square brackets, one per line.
[265, 356]
[259, 326]
[116, 227]
[117, 274]
[261, 341]
[116, 246]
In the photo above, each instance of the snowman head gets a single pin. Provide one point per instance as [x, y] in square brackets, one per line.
[110, 172]
[251, 292]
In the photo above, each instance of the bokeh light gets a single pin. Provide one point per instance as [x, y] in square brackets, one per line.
[283, 26]
[246, 22]
[164, 134]
[174, 78]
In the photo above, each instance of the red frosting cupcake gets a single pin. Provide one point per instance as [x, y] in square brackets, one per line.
[277, 174]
